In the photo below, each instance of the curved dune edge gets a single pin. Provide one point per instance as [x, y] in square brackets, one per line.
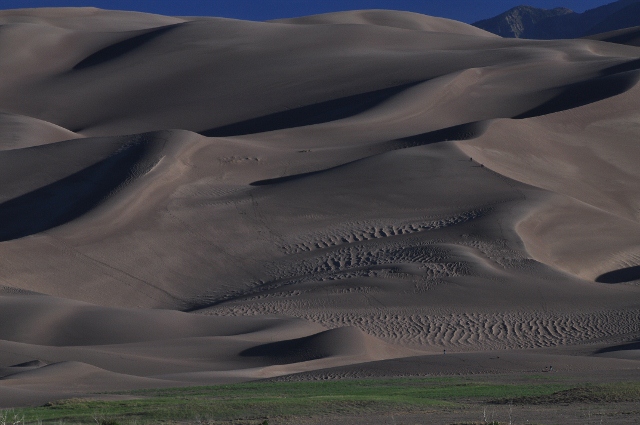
[592, 227]
[393, 19]
[628, 36]
[19, 132]
[346, 341]
[582, 240]
[86, 18]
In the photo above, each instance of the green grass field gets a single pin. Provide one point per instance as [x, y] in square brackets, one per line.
[263, 401]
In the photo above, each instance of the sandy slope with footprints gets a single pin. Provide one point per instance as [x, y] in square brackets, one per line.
[196, 201]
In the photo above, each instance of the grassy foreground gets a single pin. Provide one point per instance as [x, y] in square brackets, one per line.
[260, 402]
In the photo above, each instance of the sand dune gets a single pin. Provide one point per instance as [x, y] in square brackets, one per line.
[93, 325]
[347, 341]
[580, 163]
[86, 19]
[629, 36]
[203, 200]
[80, 348]
[385, 18]
[20, 132]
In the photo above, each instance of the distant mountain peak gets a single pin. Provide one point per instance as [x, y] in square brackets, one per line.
[560, 22]
[516, 21]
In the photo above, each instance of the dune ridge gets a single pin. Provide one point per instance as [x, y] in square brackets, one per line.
[194, 201]
[628, 36]
[392, 19]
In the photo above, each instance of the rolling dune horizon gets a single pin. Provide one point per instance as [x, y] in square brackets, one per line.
[196, 201]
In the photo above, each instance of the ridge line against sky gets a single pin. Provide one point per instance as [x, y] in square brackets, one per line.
[259, 10]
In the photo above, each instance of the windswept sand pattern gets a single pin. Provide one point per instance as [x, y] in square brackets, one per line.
[421, 263]
[466, 331]
[357, 232]
[498, 251]
[211, 193]
[368, 260]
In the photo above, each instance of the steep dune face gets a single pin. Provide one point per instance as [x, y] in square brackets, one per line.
[387, 181]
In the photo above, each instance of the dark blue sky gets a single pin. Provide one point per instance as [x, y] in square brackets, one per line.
[258, 10]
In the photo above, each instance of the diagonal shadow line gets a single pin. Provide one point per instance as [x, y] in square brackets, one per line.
[621, 347]
[69, 198]
[459, 132]
[466, 131]
[632, 65]
[121, 48]
[631, 37]
[613, 81]
[331, 110]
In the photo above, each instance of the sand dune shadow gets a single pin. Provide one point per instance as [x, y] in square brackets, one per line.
[623, 347]
[333, 342]
[627, 274]
[458, 132]
[318, 113]
[121, 48]
[587, 92]
[69, 198]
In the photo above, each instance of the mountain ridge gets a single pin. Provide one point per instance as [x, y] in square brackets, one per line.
[558, 23]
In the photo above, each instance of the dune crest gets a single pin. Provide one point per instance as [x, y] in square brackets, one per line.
[89, 19]
[346, 341]
[390, 18]
[20, 132]
[628, 36]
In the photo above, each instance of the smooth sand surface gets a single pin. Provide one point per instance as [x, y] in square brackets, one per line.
[189, 201]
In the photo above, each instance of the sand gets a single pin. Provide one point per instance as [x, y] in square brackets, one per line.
[190, 201]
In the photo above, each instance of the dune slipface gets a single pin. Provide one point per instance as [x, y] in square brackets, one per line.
[203, 200]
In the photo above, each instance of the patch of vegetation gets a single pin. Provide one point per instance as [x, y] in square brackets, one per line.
[607, 393]
[255, 403]
[478, 423]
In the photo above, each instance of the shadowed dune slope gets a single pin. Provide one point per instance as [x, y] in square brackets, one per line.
[188, 75]
[193, 201]
[41, 193]
[71, 196]
[121, 48]
[346, 341]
